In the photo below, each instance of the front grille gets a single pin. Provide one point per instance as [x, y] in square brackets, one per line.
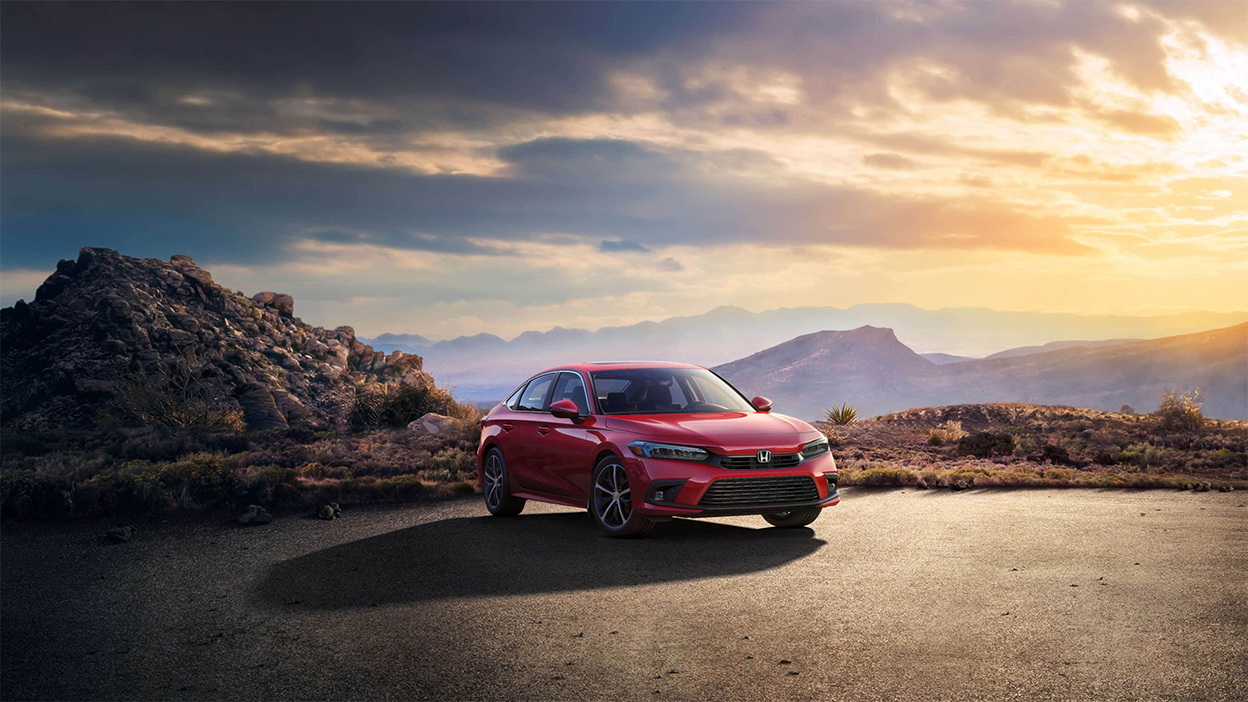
[750, 492]
[778, 460]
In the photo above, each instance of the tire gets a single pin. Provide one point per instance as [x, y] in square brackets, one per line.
[610, 501]
[794, 519]
[497, 486]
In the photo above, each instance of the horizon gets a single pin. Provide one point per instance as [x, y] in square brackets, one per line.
[449, 170]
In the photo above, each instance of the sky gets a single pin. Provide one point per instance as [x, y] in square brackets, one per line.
[453, 169]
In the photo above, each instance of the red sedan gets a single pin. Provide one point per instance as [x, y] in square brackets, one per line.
[638, 443]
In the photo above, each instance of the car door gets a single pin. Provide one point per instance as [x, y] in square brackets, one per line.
[526, 451]
[565, 448]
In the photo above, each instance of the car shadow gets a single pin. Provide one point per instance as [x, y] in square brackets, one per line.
[489, 556]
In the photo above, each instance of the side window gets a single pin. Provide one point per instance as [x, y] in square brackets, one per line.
[533, 399]
[571, 387]
[515, 397]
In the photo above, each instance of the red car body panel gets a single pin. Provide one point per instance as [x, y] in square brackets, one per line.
[550, 458]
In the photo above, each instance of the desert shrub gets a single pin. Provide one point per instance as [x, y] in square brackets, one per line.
[1127, 409]
[1142, 455]
[1225, 457]
[184, 395]
[271, 485]
[316, 471]
[945, 433]
[835, 438]
[160, 444]
[1060, 475]
[464, 487]
[25, 493]
[1055, 453]
[884, 475]
[396, 406]
[1180, 411]
[144, 487]
[134, 487]
[842, 416]
[985, 444]
[1105, 458]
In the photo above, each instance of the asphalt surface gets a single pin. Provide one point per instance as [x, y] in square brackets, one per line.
[1047, 594]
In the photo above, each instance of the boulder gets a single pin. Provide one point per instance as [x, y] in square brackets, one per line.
[283, 303]
[121, 533]
[330, 511]
[255, 515]
[434, 424]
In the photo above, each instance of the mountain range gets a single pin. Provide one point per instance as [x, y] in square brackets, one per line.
[869, 368]
[484, 367]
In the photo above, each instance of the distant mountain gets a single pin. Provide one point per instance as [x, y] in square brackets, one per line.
[871, 369]
[941, 359]
[405, 339]
[1058, 346]
[483, 367]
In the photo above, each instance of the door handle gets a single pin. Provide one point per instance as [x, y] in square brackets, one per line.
[508, 427]
[543, 430]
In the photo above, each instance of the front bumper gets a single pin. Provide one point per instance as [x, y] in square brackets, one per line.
[685, 484]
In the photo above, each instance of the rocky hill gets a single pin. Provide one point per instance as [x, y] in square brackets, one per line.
[107, 322]
[872, 370]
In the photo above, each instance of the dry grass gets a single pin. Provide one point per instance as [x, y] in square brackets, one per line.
[149, 470]
[1048, 446]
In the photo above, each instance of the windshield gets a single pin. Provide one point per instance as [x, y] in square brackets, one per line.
[665, 391]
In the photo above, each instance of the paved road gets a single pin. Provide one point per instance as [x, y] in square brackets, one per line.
[1053, 594]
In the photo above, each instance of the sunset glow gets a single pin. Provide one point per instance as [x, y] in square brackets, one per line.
[433, 175]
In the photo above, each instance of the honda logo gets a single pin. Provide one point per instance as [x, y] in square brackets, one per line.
[764, 456]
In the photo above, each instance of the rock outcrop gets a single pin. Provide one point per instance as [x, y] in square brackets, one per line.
[106, 319]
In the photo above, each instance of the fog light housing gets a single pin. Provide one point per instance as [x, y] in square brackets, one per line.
[665, 491]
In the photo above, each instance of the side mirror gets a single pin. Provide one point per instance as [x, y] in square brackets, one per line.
[566, 409]
[762, 404]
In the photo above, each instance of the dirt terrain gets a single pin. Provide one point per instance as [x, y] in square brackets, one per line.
[982, 594]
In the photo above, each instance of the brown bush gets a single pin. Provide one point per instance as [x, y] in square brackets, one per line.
[1180, 411]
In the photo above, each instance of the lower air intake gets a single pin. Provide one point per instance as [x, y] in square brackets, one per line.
[751, 492]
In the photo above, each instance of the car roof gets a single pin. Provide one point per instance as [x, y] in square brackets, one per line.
[618, 365]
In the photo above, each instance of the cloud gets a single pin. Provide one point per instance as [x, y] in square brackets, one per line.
[1161, 126]
[892, 161]
[620, 246]
[670, 265]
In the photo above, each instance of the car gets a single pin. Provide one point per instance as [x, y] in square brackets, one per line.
[640, 443]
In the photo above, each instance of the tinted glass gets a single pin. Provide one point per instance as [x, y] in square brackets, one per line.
[515, 397]
[534, 397]
[665, 391]
[571, 387]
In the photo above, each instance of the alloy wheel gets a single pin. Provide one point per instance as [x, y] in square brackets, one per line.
[612, 497]
[493, 480]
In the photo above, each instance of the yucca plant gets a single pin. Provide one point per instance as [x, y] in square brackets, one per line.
[842, 415]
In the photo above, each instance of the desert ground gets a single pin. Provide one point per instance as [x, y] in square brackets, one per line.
[894, 594]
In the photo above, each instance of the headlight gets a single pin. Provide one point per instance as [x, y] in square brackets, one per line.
[649, 449]
[815, 447]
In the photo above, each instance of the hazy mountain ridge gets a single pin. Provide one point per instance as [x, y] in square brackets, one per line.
[484, 366]
[1103, 377]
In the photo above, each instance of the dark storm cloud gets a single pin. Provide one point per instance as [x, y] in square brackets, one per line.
[388, 73]
[149, 198]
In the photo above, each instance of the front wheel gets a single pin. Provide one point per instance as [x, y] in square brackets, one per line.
[611, 504]
[497, 487]
[792, 520]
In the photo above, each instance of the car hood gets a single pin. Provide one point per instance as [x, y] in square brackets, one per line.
[721, 432]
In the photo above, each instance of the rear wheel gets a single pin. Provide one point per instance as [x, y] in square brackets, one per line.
[611, 503]
[497, 487]
[790, 520]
